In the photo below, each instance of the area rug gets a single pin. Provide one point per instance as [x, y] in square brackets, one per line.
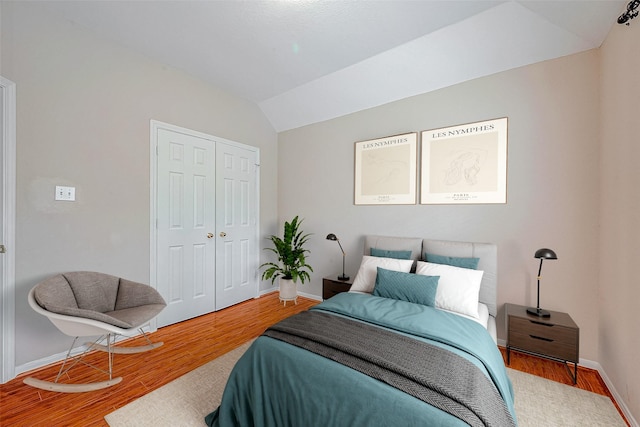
[185, 401]
[540, 402]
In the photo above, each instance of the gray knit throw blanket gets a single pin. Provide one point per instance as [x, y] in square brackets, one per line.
[428, 372]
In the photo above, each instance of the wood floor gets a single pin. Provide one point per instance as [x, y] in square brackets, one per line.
[187, 346]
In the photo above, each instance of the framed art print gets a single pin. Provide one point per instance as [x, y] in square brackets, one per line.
[386, 170]
[465, 164]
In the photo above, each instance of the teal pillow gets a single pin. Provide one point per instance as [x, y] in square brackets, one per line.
[406, 286]
[383, 253]
[471, 263]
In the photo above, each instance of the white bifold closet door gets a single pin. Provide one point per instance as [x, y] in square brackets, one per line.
[207, 231]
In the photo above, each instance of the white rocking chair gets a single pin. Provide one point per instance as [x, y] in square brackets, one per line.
[85, 303]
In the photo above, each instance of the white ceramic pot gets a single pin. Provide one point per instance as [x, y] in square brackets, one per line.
[288, 291]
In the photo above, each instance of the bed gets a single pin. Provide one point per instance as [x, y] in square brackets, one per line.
[412, 343]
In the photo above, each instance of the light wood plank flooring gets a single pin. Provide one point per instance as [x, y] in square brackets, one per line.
[188, 345]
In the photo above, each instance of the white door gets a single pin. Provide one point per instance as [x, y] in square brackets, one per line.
[236, 224]
[2, 247]
[7, 232]
[185, 225]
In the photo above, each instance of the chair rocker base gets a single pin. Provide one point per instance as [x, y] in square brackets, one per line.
[124, 350]
[71, 361]
[70, 388]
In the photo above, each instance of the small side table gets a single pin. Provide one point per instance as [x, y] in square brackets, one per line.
[556, 337]
[332, 286]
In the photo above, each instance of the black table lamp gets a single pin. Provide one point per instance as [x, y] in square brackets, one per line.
[333, 237]
[542, 254]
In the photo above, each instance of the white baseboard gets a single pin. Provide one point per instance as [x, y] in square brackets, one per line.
[264, 292]
[302, 294]
[55, 358]
[310, 296]
[617, 397]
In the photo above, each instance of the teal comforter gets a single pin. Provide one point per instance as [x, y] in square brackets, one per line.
[278, 384]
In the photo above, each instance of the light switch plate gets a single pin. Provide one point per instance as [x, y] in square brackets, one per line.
[65, 193]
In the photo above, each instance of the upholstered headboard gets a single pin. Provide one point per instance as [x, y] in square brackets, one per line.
[486, 252]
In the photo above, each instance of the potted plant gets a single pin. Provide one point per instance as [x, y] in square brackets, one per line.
[291, 264]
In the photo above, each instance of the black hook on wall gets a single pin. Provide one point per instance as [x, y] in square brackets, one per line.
[631, 12]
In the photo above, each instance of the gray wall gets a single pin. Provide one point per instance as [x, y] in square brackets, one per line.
[619, 238]
[573, 181]
[553, 184]
[84, 107]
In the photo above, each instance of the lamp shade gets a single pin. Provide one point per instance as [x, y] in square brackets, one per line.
[542, 253]
[331, 237]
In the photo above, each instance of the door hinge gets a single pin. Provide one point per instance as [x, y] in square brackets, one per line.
[3, 249]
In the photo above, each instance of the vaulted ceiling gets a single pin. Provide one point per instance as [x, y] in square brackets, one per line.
[304, 61]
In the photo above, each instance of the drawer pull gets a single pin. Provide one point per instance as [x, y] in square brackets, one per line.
[541, 323]
[541, 338]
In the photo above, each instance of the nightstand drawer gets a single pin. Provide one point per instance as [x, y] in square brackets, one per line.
[555, 336]
[331, 287]
[559, 349]
[542, 330]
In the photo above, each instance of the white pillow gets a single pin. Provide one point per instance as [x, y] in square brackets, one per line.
[365, 280]
[458, 288]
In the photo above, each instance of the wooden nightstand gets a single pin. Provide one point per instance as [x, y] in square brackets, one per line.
[332, 286]
[556, 337]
